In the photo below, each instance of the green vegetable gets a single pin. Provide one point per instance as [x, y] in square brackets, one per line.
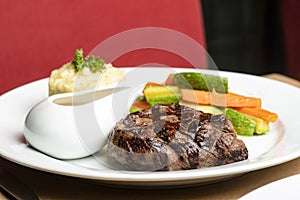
[94, 63]
[262, 126]
[162, 94]
[139, 99]
[206, 109]
[78, 59]
[134, 109]
[242, 124]
[199, 81]
[136, 106]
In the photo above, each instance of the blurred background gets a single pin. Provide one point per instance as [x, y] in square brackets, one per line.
[254, 36]
[249, 36]
[245, 35]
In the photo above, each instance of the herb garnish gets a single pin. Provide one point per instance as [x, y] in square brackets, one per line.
[94, 63]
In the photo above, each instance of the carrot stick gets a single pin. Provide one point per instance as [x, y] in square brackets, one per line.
[259, 113]
[141, 104]
[169, 80]
[237, 100]
[219, 99]
[152, 84]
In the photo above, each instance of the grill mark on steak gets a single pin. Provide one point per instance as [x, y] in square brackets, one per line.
[174, 137]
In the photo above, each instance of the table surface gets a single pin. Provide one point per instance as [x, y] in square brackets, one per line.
[51, 186]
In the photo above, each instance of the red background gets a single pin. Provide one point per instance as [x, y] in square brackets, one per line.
[38, 36]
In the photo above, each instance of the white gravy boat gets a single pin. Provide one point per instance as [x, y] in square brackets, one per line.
[72, 125]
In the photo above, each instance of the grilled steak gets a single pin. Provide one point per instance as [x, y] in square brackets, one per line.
[174, 137]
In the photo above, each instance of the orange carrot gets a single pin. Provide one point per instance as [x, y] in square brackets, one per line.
[141, 104]
[219, 99]
[169, 80]
[152, 84]
[259, 113]
[239, 100]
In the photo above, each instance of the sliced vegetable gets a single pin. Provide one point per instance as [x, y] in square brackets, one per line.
[170, 80]
[199, 81]
[243, 125]
[161, 94]
[139, 103]
[149, 84]
[262, 126]
[259, 113]
[218, 99]
[206, 109]
[139, 98]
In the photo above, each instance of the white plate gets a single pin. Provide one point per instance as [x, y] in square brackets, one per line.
[279, 145]
[286, 188]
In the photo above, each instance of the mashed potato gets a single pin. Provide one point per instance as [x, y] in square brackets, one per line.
[68, 79]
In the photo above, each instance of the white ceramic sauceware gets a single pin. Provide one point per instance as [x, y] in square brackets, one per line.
[71, 125]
